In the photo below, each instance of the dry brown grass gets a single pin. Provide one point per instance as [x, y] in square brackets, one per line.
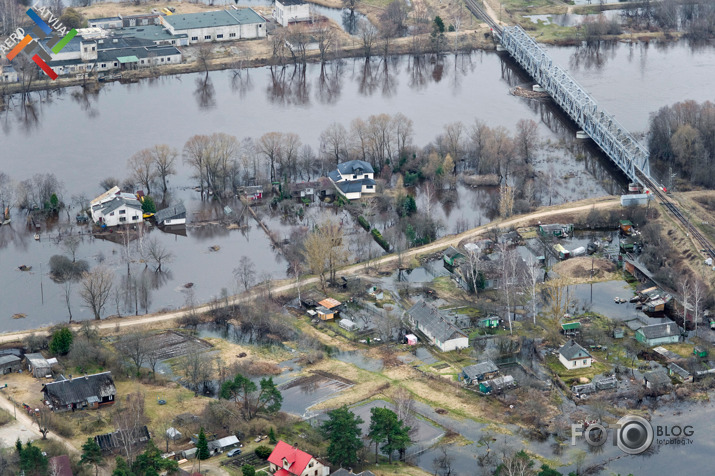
[579, 269]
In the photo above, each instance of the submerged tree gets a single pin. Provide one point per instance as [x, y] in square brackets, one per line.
[253, 400]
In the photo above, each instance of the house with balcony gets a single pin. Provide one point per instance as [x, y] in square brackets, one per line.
[353, 178]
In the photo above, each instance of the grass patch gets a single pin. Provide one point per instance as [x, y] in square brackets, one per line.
[683, 349]
[572, 376]
[5, 417]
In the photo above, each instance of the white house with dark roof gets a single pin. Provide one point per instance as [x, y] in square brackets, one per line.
[353, 178]
[114, 208]
[291, 11]
[219, 25]
[573, 356]
[443, 334]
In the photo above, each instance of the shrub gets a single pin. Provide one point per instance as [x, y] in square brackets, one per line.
[148, 205]
[61, 342]
[364, 223]
[263, 452]
[380, 240]
[248, 470]
[64, 269]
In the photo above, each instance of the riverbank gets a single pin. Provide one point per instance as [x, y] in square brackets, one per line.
[279, 287]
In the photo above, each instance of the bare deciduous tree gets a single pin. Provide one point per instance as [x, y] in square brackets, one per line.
[156, 253]
[245, 272]
[164, 158]
[141, 165]
[95, 289]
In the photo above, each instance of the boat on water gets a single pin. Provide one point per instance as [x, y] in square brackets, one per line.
[37, 237]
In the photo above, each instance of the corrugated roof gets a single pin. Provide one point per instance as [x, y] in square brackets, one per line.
[189, 21]
[170, 212]
[8, 359]
[431, 319]
[656, 331]
[477, 370]
[37, 360]
[657, 377]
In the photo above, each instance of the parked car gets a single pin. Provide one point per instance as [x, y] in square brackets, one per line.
[234, 452]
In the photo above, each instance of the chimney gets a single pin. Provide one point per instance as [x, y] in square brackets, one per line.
[295, 446]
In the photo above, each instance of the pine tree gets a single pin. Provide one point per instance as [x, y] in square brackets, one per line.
[202, 446]
[343, 431]
[92, 454]
[272, 436]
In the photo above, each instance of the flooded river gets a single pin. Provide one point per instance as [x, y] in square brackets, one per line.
[83, 139]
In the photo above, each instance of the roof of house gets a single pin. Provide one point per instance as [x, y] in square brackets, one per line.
[568, 326]
[215, 18]
[60, 466]
[110, 441]
[223, 442]
[8, 359]
[430, 318]
[679, 371]
[451, 252]
[80, 389]
[297, 459]
[170, 212]
[112, 205]
[354, 185]
[37, 360]
[657, 377]
[329, 303]
[554, 227]
[573, 351]
[499, 382]
[656, 331]
[345, 472]
[291, 2]
[482, 368]
[353, 166]
[334, 175]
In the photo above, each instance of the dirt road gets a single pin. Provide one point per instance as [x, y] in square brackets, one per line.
[28, 427]
[354, 269]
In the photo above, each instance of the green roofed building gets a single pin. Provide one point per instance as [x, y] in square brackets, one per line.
[218, 25]
[571, 327]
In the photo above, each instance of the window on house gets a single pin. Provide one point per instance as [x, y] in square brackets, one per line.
[574, 364]
[194, 38]
[94, 48]
[584, 361]
[86, 49]
[219, 36]
[115, 64]
[135, 217]
[162, 60]
[122, 212]
[142, 61]
[104, 65]
[121, 218]
[168, 60]
[111, 214]
[207, 37]
[369, 187]
[354, 176]
[232, 35]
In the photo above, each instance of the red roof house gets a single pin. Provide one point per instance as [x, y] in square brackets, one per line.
[287, 460]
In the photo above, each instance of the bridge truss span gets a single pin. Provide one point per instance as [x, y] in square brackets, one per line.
[614, 139]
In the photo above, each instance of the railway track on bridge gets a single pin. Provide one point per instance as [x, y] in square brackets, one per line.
[612, 138]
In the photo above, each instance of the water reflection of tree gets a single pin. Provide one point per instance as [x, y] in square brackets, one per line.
[350, 21]
[288, 85]
[87, 100]
[418, 71]
[330, 82]
[241, 82]
[205, 93]
[367, 78]
[592, 56]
